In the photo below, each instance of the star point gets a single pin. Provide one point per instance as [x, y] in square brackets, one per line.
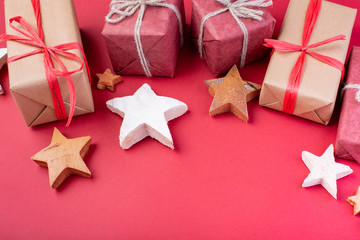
[324, 170]
[231, 94]
[64, 157]
[355, 201]
[146, 114]
[107, 80]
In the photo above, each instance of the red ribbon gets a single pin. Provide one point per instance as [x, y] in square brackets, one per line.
[50, 54]
[297, 72]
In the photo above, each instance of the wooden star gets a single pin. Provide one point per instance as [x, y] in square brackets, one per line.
[64, 157]
[107, 80]
[355, 201]
[324, 170]
[231, 94]
[146, 114]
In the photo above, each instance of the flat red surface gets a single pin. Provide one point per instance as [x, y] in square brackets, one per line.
[225, 179]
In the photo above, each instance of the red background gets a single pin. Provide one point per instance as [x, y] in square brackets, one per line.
[225, 179]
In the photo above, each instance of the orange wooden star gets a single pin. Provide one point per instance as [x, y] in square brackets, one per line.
[231, 94]
[64, 157]
[355, 201]
[107, 80]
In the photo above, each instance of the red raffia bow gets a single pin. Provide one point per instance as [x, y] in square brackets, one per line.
[37, 40]
[297, 72]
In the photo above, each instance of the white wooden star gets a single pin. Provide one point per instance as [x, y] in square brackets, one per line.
[3, 58]
[324, 170]
[146, 114]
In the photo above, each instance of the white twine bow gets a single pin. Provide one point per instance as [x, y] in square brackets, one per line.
[353, 86]
[238, 9]
[126, 8]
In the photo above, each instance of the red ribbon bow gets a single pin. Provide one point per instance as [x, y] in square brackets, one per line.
[297, 72]
[50, 54]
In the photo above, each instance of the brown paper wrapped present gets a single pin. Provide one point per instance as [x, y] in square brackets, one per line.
[28, 80]
[318, 86]
[148, 46]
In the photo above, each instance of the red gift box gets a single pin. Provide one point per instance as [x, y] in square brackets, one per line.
[348, 135]
[223, 38]
[159, 33]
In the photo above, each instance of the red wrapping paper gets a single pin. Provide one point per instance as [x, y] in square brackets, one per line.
[348, 136]
[223, 38]
[159, 36]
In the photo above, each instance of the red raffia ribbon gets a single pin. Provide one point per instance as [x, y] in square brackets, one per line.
[50, 54]
[297, 72]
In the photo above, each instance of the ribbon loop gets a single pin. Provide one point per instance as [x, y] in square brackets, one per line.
[238, 9]
[36, 39]
[297, 71]
[125, 8]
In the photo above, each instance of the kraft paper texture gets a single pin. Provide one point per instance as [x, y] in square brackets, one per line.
[348, 135]
[223, 38]
[159, 36]
[320, 82]
[28, 84]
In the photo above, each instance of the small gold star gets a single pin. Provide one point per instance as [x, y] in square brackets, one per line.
[355, 201]
[107, 80]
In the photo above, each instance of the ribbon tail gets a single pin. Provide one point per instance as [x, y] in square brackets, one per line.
[333, 39]
[14, 58]
[282, 46]
[72, 99]
[330, 61]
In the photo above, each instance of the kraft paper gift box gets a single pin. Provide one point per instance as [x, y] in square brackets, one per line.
[28, 82]
[160, 39]
[223, 38]
[320, 82]
[348, 136]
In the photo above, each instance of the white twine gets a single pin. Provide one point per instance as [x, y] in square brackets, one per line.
[238, 9]
[353, 86]
[126, 8]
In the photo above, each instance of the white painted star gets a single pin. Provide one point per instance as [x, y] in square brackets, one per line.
[324, 170]
[146, 114]
[3, 58]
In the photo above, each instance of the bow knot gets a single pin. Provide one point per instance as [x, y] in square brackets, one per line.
[246, 8]
[125, 8]
[228, 4]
